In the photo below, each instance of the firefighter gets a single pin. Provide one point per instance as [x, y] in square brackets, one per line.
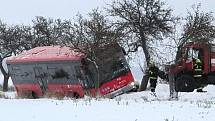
[153, 75]
[197, 68]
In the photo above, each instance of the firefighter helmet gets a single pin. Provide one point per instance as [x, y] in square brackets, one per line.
[151, 63]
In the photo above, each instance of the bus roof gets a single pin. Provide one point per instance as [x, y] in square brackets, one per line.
[45, 54]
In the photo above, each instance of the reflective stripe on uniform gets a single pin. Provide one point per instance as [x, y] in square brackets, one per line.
[197, 69]
[152, 77]
[197, 75]
[150, 72]
[200, 88]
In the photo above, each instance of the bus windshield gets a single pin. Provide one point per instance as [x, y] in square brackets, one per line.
[110, 63]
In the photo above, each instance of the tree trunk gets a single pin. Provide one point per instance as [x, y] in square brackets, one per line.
[147, 56]
[6, 76]
[5, 83]
[144, 83]
[145, 50]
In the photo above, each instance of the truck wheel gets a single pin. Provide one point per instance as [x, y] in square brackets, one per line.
[211, 79]
[184, 83]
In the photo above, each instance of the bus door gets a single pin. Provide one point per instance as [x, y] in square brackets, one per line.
[42, 78]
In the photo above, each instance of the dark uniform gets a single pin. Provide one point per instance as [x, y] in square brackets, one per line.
[153, 76]
[197, 73]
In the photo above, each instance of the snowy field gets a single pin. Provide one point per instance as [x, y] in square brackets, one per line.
[139, 106]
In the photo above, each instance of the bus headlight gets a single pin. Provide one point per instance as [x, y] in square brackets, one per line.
[135, 84]
[132, 83]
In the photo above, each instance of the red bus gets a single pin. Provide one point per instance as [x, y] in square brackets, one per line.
[63, 71]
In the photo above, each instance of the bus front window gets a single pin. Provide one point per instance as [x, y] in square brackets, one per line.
[119, 68]
[109, 63]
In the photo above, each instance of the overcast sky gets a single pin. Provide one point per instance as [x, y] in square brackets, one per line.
[23, 11]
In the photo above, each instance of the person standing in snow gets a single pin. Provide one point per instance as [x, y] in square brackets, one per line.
[197, 73]
[153, 75]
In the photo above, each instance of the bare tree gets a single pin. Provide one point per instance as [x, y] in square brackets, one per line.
[91, 35]
[4, 54]
[11, 41]
[45, 31]
[15, 39]
[148, 20]
[86, 35]
[199, 26]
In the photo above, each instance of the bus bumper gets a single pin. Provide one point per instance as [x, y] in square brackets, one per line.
[125, 89]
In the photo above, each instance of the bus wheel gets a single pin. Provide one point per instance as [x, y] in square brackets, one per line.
[76, 95]
[34, 95]
[73, 95]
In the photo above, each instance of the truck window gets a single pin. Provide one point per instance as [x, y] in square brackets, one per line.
[194, 53]
[190, 54]
[201, 54]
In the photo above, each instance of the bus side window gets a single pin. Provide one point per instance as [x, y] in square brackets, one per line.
[78, 72]
[60, 73]
[16, 71]
[57, 73]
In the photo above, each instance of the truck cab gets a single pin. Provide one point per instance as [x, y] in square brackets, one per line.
[182, 70]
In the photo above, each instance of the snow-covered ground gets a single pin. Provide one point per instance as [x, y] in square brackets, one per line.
[140, 106]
